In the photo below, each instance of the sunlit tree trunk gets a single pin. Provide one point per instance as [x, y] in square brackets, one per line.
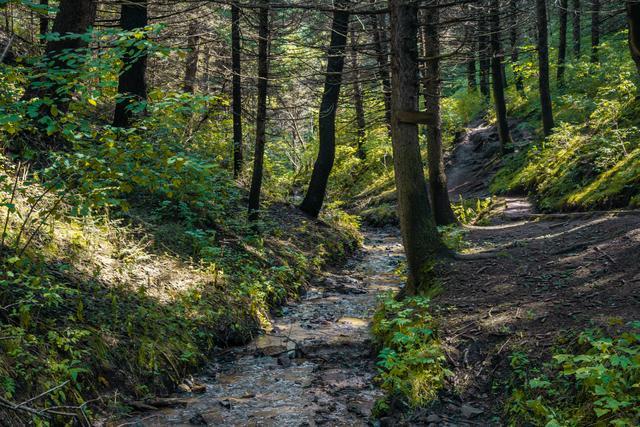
[483, 52]
[261, 114]
[442, 211]
[236, 103]
[316, 192]
[419, 234]
[132, 86]
[543, 65]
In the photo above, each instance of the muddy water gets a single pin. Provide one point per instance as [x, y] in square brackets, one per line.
[314, 367]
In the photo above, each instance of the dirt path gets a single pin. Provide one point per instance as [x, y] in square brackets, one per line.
[314, 368]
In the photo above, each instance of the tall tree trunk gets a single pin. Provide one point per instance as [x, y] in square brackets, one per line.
[132, 86]
[236, 103]
[378, 24]
[44, 20]
[419, 234]
[73, 17]
[483, 52]
[314, 199]
[562, 44]
[261, 114]
[595, 30]
[442, 211]
[191, 69]
[513, 38]
[496, 71]
[543, 65]
[633, 17]
[357, 95]
[577, 36]
[469, 34]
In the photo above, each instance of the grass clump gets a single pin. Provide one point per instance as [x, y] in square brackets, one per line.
[411, 363]
[596, 382]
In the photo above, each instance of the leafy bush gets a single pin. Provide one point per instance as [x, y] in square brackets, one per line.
[599, 384]
[411, 362]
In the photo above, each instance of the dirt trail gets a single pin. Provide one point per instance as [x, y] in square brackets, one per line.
[315, 367]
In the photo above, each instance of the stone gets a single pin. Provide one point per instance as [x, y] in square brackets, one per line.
[469, 411]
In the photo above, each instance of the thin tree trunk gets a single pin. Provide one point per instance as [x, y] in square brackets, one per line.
[191, 69]
[236, 103]
[472, 82]
[419, 234]
[483, 52]
[44, 21]
[314, 199]
[496, 70]
[577, 36]
[132, 86]
[357, 95]
[595, 30]
[261, 114]
[442, 211]
[382, 57]
[633, 17]
[513, 38]
[543, 64]
[562, 44]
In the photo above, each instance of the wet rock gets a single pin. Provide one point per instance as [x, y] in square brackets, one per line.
[198, 420]
[184, 388]
[469, 411]
[198, 388]
[284, 360]
[434, 418]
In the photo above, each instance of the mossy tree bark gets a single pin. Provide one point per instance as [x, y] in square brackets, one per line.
[132, 85]
[483, 52]
[442, 211]
[261, 114]
[358, 101]
[543, 67]
[193, 53]
[513, 39]
[312, 203]
[378, 23]
[419, 234]
[577, 30]
[595, 31]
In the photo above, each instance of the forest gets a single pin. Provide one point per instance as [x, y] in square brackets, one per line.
[319, 212]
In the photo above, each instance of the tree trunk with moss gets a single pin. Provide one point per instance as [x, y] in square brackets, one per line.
[633, 17]
[420, 237]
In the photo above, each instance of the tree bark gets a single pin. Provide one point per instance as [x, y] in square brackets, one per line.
[316, 192]
[442, 211]
[191, 68]
[44, 20]
[513, 38]
[236, 103]
[132, 86]
[357, 96]
[633, 17]
[562, 43]
[595, 31]
[472, 82]
[382, 57]
[419, 234]
[496, 71]
[261, 114]
[577, 36]
[483, 52]
[543, 65]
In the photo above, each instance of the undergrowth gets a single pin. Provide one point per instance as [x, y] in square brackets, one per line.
[596, 382]
[411, 364]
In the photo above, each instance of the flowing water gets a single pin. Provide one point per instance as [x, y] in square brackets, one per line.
[315, 367]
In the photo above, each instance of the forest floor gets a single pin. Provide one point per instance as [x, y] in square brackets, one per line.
[521, 283]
